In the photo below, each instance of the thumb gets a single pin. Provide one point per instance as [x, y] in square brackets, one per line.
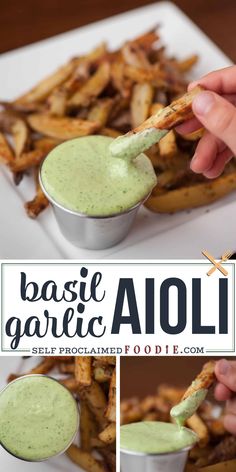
[226, 373]
[218, 116]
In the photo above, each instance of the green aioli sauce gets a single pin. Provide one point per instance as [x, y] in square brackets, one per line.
[185, 409]
[131, 145]
[83, 176]
[151, 437]
[38, 418]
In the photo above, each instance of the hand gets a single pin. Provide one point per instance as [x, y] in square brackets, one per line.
[215, 110]
[225, 390]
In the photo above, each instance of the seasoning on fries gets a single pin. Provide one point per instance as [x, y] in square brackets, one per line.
[96, 400]
[110, 93]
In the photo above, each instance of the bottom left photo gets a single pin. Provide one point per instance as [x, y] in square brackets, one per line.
[58, 414]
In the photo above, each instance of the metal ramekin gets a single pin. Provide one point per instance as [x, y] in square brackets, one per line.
[92, 232]
[165, 462]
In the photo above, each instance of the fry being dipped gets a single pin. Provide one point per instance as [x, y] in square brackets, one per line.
[195, 394]
[154, 128]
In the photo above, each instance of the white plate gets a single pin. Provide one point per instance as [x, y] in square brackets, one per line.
[182, 235]
[8, 463]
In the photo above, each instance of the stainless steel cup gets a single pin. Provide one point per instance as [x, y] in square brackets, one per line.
[168, 462]
[93, 232]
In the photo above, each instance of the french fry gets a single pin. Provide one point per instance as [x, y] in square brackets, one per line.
[27, 160]
[83, 370]
[186, 64]
[225, 450]
[96, 401]
[37, 205]
[108, 435]
[174, 114]
[70, 383]
[134, 55]
[57, 102]
[102, 373]
[46, 144]
[42, 368]
[87, 427]
[20, 134]
[62, 128]
[112, 133]
[99, 113]
[45, 86]
[84, 459]
[66, 367]
[170, 394]
[199, 427]
[140, 103]
[12, 123]
[104, 360]
[140, 75]
[226, 466]
[204, 379]
[192, 196]
[6, 153]
[93, 87]
[111, 409]
[110, 459]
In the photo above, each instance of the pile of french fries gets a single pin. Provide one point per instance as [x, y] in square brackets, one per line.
[109, 93]
[216, 449]
[92, 380]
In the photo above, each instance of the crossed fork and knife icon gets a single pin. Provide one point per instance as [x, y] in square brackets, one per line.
[217, 265]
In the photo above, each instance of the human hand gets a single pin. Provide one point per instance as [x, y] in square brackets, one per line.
[215, 109]
[225, 390]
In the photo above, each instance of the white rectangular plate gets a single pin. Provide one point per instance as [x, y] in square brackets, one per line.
[13, 364]
[183, 235]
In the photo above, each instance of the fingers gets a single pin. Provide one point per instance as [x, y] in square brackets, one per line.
[222, 393]
[218, 116]
[225, 372]
[210, 156]
[230, 416]
[189, 126]
[230, 423]
[220, 81]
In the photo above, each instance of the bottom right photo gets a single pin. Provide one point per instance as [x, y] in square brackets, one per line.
[178, 414]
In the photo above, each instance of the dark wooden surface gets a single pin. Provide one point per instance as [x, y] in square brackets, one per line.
[141, 376]
[26, 21]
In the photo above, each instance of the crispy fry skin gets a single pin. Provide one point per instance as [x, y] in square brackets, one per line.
[93, 87]
[108, 435]
[84, 459]
[83, 370]
[62, 128]
[27, 160]
[205, 379]
[111, 360]
[199, 427]
[37, 205]
[177, 112]
[96, 401]
[192, 196]
[111, 409]
[6, 153]
[140, 103]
